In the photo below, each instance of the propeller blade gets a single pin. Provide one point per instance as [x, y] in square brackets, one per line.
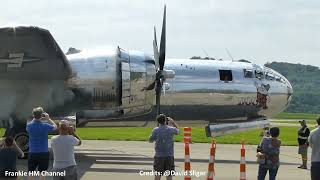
[161, 60]
[155, 49]
[158, 94]
[155, 37]
[162, 55]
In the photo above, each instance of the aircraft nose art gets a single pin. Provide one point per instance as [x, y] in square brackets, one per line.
[31, 53]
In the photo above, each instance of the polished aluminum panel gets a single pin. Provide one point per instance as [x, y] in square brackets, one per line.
[229, 128]
[109, 83]
[198, 90]
[96, 76]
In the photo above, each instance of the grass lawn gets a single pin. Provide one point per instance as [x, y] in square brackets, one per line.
[297, 116]
[309, 122]
[288, 135]
[2, 132]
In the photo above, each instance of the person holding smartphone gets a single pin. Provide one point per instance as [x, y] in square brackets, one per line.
[63, 151]
[9, 154]
[164, 146]
[38, 130]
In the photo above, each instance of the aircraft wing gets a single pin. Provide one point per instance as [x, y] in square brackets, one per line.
[28, 52]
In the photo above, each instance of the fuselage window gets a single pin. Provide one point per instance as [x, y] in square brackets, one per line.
[278, 79]
[269, 76]
[248, 73]
[225, 75]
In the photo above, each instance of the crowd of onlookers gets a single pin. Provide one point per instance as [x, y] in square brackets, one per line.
[62, 145]
[38, 156]
[268, 151]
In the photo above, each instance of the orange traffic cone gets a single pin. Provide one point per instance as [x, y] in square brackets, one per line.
[187, 134]
[243, 162]
[211, 172]
[187, 140]
[187, 165]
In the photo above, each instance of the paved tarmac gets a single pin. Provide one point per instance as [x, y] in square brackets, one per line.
[127, 159]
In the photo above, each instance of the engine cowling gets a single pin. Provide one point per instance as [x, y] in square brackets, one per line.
[111, 83]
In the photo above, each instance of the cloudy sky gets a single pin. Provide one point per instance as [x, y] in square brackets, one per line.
[257, 30]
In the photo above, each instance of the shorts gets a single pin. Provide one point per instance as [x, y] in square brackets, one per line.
[71, 173]
[162, 164]
[303, 149]
[315, 170]
[38, 160]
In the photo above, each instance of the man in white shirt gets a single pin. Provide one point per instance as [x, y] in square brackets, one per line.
[63, 151]
[315, 157]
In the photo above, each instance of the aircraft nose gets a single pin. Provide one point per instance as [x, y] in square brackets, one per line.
[289, 91]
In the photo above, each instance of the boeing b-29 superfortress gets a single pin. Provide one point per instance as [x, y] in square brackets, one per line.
[113, 84]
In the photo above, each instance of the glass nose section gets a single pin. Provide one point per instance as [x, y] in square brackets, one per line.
[289, 91]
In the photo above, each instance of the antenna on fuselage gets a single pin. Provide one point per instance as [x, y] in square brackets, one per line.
[229, 54]
[205, 52]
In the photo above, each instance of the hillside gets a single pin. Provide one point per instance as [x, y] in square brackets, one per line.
[305, 80]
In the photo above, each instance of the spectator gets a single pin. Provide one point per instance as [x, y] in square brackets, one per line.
[38, 141]
[264, 133]
[315, 157]
[164, 146]
[270, 148]
[63, 151]
[303, 134]
[9, 154]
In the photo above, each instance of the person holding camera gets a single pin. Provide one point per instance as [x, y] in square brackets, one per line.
[269, 155]
[9, 154]
[164, 146]
[38, 130]
[63, 151]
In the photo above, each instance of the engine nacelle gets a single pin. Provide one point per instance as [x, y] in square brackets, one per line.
[111, 83]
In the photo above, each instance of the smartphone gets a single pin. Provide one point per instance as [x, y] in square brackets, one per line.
[167, 121]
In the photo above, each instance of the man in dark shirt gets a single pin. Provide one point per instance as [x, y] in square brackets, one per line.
[38, 141]
[303, 134]
[9, 154]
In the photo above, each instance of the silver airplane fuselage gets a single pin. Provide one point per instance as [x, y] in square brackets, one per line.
[110, 84]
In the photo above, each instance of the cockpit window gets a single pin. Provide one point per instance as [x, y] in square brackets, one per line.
[278, 78]
[225, 75]
[259, 74]
[269, 76]
[248, 73]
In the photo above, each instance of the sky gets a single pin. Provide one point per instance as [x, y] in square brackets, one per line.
[257, 30]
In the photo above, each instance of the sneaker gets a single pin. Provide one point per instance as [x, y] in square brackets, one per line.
[303, 167]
